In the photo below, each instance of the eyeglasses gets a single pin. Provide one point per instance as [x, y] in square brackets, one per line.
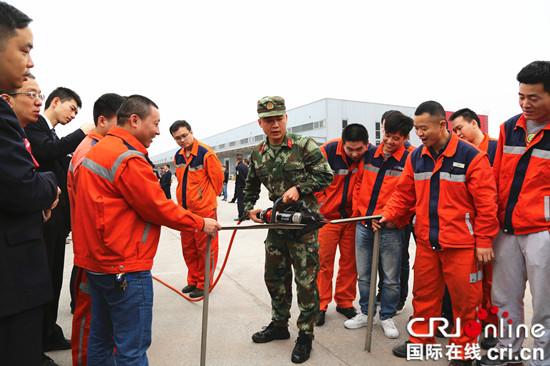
[33, 95]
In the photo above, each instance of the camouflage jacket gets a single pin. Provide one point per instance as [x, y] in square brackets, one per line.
[298, 161]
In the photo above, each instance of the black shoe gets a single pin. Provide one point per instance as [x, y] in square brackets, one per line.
[187, 289]
[270, 333]
[232, 201]
[320, 318]
[46, 361]
[401, 350]
[198, 292]
[58, 344]
[301, 350]
[348, 312]
[488, 342]
[461, 363]
[237, 219]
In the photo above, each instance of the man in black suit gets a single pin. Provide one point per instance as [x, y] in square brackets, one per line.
[51, 153]
[24, 195]
[240, 182]
[166, 181]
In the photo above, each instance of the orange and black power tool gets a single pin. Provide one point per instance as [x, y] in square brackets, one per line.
[297, 213]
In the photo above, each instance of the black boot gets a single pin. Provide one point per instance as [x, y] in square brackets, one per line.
[270, 333]
[320, 318]
[302, 349]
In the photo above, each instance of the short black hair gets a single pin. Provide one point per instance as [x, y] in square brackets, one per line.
[386, 113]
[431, 107]
[355, 132]
[134, 104]
[467, 114]
[11, 19]
[179, 124]
[167, 166]
[398, 122]
[239, 157]
[537, 72]
[107, 105]
[64, 94]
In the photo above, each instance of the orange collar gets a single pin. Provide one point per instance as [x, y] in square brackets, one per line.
[129, 138]
[450, 149]
[396, 155]
[194, 149]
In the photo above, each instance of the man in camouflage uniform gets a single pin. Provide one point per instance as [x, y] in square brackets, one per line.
[289, 166]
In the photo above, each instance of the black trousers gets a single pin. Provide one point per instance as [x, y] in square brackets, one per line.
[55, 234]
[167, 192]
[240, 200]
[21, 338]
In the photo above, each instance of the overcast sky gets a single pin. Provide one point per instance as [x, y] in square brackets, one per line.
[208, 62]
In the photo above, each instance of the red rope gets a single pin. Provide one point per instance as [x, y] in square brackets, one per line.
[217, 278]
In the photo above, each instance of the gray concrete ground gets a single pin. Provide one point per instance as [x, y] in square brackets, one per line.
[240, 306]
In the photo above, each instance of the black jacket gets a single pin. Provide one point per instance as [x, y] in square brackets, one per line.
[52, 156]
[166, 180]
[24, 193]
[242, 173]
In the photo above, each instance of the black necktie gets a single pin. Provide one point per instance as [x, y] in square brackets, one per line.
[55, 138]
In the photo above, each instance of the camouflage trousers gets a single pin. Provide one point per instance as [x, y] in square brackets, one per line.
[282, 252]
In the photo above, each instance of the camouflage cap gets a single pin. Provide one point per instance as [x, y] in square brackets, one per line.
[271, 106]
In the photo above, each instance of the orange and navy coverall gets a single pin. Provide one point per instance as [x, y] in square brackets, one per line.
[82, 312]
[200, 181]
[336, 202]
[454, 196]
[489, 145]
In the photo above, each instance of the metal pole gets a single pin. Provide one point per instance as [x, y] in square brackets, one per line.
[205, 300]
[372, 293]
[355, 219]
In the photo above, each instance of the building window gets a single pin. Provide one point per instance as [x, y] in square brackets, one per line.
[244, 141]
[344, 123]
[377, 133]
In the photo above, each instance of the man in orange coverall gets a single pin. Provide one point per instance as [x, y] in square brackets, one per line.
[344, 155]
[200, 181]
[119, 208]
[105, 108]
[450, 184]
[467, 126]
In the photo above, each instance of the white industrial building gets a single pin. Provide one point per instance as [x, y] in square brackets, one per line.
[322, 120]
